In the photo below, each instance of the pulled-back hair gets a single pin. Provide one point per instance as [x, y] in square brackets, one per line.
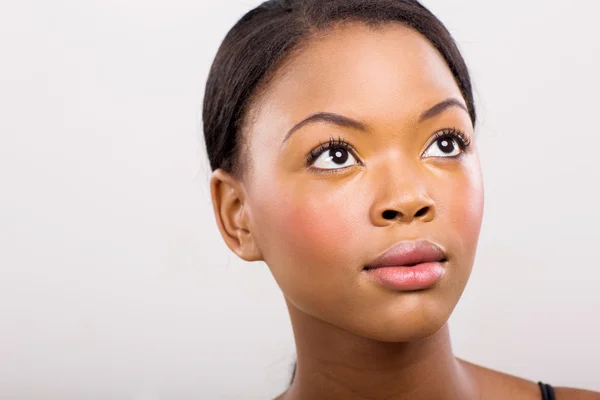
[261, 40]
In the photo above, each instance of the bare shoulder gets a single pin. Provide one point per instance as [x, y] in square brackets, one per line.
[500, 385]
[564, 393]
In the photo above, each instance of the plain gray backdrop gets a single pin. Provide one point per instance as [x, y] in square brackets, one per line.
[114, 280]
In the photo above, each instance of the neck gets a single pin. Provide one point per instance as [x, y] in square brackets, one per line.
[335, 363]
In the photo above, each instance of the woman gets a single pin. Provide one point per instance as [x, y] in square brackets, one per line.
[341, 138]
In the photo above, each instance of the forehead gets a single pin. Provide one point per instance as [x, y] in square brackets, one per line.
[377, 74]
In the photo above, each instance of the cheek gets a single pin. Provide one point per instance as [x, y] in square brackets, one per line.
[465, 209]
[316, 227]
[306, 234]
[312, 224]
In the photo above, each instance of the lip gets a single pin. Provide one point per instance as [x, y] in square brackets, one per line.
[409, 265]
[409, 253]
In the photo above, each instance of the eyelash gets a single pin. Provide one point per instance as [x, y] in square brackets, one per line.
[453, 133]
[332, 143]
[463, 142]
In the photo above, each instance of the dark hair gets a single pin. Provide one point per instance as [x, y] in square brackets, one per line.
[261, 40]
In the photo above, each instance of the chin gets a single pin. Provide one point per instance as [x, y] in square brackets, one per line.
[408, 334]
[404, 331]
[412, 319]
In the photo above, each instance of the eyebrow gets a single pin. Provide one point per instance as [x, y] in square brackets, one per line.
[340, 120]
[441, 107]
[330, 118]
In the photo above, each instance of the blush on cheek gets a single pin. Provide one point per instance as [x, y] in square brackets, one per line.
[310, 226]
[314, 232]
[466, 210]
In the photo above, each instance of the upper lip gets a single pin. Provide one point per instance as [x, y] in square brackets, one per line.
[409, 253]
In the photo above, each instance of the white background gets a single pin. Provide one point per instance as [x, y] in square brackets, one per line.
[114, 281]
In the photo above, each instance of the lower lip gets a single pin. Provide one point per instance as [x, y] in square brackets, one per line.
[418, 277]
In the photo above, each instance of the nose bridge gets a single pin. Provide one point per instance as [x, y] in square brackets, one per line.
[401, 189]
[399, 175]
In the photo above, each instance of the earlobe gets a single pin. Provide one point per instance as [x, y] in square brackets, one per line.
[231, 215]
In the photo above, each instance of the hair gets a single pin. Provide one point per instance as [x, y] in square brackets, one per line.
[266, 36]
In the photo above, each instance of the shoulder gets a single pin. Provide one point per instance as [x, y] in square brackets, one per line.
[499, 385]
[565, 393]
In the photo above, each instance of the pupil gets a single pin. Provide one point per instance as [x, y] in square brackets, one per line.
[338, 156]
[446, 146]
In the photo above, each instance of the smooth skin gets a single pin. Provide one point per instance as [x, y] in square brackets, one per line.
[387, 92]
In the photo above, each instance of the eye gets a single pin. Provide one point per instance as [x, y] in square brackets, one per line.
[336, 154]
[335, 157]
[448, 143]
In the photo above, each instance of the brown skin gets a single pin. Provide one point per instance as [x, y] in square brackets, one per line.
[316, 230]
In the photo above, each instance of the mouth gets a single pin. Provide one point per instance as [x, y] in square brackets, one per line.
[409, 254]
[409, 266]
[441, 261]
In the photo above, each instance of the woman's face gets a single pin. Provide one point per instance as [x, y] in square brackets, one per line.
[319, 222]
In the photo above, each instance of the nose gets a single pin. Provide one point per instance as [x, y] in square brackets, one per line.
[404, 202]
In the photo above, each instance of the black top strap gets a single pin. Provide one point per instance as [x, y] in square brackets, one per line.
[547, 391]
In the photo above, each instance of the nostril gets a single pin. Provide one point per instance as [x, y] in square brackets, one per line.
[422, 211]
[390, 214]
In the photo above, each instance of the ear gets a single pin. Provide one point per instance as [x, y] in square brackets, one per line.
[228, 198]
